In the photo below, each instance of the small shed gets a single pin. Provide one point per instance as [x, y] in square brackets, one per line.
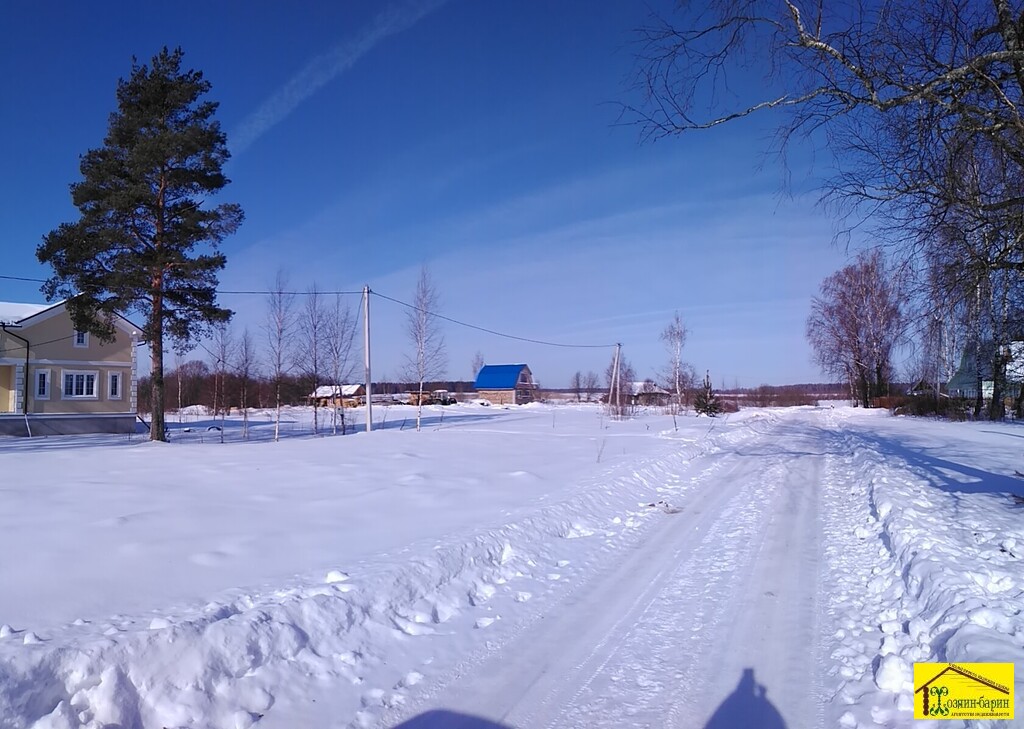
[327, 396]
[505, 384]
[647, 393]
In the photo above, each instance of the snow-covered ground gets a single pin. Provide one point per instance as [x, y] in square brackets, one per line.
[537, 566]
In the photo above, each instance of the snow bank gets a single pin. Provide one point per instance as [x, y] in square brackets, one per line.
[934, 571]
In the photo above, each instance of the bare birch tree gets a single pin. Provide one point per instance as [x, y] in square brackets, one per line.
[590, 383]
[280, 332]
[311, 357]
[428, 359]
[179, 359]
[478, 363]
[674, 337]
[855, 325]
[245, 368]
[339, 338]
[223, 352]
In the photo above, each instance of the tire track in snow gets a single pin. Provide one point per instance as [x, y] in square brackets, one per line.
[759, 666]
[569, 689]
[643, 680]
[617, 652]
[477, 667]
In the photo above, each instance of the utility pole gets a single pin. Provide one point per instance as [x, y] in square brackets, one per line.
[618, 381]
[614, 386]
[366, 358]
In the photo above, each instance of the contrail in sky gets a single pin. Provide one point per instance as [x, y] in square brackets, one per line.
[325, 68]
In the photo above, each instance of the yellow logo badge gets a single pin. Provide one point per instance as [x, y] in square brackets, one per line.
[963, 690]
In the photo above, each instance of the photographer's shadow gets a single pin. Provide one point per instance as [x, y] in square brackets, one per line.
[444, 719]
[747, 707]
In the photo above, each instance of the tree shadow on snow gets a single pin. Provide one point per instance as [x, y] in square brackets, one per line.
[747, 707]
[443, 719]
[950, 476]
[208, 429]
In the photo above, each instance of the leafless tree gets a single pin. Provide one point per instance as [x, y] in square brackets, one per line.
[280, 332]
[428, 359]
[339, 338]
[478, 363]
[975, 274]
[311, 357]
[763, 396]
[576, 385]
[590, 383]
[223, 353]
[190, 375]
[674, 337]
[179, 358]
[918, 101]
[245, 368]
[855, 324]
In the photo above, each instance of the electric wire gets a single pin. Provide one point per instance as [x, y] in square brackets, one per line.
[490, 331]
[458, 322]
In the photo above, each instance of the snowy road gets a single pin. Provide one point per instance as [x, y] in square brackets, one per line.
[710, 620]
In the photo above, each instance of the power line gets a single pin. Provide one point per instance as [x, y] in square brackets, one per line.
[492, 331]
[289, 293]
[224, 292]
[232, 292]
[37, 344]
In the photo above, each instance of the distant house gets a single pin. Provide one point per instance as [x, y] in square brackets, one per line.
[327, 396]
[506, 384]
[964, 383]
[55, 380]
[647, 393]
[922, 388]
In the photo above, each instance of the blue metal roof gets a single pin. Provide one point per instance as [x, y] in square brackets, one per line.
[498, 377]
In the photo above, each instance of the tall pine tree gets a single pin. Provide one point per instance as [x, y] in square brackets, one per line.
[145, 242]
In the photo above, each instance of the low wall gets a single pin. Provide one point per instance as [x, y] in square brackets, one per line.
[11, 424]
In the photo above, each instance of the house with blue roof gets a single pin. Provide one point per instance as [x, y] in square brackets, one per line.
[505, 384]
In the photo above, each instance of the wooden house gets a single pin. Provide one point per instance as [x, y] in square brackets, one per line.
[505, 384]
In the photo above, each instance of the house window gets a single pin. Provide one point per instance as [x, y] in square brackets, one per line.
[81, 339]
[113, 385]
[79, 385]
[42, 384]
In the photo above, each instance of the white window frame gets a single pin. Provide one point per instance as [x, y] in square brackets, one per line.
[45, 373]
[85, 340]
[64, 395]
[111, 377]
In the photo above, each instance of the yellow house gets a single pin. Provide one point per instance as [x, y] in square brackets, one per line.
[55, 380]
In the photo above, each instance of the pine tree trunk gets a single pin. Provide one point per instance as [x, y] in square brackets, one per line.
[156, 353]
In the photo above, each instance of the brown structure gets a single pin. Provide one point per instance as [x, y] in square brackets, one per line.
[348, 396]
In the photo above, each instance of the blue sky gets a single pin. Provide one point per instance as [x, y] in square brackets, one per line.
[370, 138]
